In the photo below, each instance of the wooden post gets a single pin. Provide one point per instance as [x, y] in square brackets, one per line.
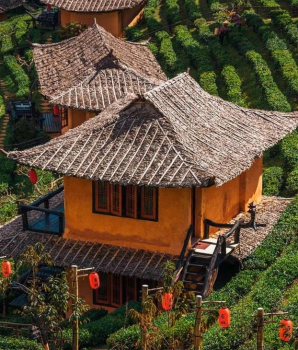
[75, 290]
[198, 322]
[143, 333]
[260, 329]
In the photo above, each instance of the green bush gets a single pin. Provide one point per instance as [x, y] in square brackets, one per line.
[125, 339]
[132, 33]
[101, 329]
[149, 14]
[192, 9]
[272, 181]
[84, 338]
[93, 315]
[289, 150]
[166, 51]
[18, 75]
[292, 182]
[7, 343]
[8, 210]
[173, 15]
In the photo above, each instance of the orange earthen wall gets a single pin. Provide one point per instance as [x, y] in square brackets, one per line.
[221, 204]
[111, 21]
[76, 118]
[165, 235]
[130, 17]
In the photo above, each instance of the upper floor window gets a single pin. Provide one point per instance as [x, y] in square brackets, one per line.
[130, 201]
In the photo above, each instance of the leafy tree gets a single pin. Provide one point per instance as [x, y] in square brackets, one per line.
[48, 302]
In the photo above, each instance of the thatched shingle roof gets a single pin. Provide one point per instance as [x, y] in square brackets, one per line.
[177, 136]
[94, 5]
[94, 69]
[6, 5]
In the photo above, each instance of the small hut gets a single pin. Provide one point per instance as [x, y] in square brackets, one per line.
[6, 5]
[114, 16]
[149, 168]
[85, 74]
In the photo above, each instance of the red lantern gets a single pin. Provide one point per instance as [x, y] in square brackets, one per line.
[224, 318]
[49, 7]
[285, 329]
[6, 268]
[167, 301]
[56, 110]
[32, 176]
[94, 280]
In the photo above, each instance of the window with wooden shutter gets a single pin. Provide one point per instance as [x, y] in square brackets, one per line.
[131, 289]
[103, 293]
[102, 196]
[116, 199]
[116, 298]
[131, 201]
[148, 202]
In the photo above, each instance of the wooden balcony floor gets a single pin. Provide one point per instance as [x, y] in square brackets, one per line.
[47, 223]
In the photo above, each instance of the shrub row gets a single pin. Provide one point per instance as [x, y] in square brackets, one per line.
[173, 15]
[289, 150]
[200, 58]
[277, 47]
[166, 51]
[7, 343]
[228, 73]
[18, 75]
[97, 331]
[192, 9]
[272, 181]
[275, 98]
[180, 336]
[267, 291]
[282, 19]
[149, 14]
[204, 33]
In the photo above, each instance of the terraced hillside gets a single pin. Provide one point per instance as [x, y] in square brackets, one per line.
[256, 66]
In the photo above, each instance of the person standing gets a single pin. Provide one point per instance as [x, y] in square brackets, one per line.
[223, 31]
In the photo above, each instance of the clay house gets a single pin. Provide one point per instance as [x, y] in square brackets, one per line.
[114, 16]
[6, 5]
[85, 74]
[141, 181]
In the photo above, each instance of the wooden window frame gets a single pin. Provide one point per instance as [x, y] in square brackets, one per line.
[154, 200]
[112, 194]
[134, 200]
[96, 201]
[138, 194]
[112, 276]
[108, 288]
[129, 290]
[63, 112]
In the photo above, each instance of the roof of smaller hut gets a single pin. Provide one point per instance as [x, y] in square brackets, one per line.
[177, 136]
[94, 69]
[94, 5]
[6, 5]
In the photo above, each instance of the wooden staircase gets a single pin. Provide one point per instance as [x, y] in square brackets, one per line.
[199, 269]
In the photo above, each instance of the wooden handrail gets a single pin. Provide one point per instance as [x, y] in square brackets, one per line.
[181, 256]
[44, 198]
[26, 208]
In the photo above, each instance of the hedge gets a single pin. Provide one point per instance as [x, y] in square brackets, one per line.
[7, 343]
[292, 182]
[173, 15]
[200, 58]
[149, 14]
[272, 181]
[282, 19]
[18, 75]
[277, 47]
[275, 98]
[166, 51]
[289, 150]
[178, 337]
[266, 289]
[192, 9]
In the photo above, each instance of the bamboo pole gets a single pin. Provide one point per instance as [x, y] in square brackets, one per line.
[260, 329]
[75, 290]
[143, 333]
[197, 345]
